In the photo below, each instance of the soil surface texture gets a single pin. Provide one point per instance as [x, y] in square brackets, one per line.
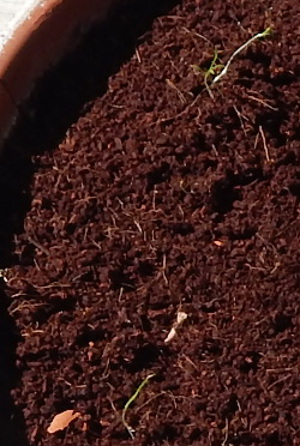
[150, 234]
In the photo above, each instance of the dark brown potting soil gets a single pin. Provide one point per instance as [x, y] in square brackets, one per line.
[125, 204]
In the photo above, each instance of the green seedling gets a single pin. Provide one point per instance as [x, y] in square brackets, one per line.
[217, 71]
[261, 35]
[212, 71]
[130, 401]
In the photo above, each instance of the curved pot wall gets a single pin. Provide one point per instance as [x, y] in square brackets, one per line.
[34, 35]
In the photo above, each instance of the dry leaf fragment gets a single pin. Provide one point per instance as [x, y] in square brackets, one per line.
[218, 243]
[62, 420]
[181, 317]
[171, 335]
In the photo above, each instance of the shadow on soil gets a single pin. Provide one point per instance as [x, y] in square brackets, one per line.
[12, 430]
[57, 101]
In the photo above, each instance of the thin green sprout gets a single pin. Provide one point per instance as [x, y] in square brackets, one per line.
[261, 35]
[131, 400]
[214, 69]
[210, 72]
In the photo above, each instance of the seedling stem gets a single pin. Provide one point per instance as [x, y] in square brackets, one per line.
[131, 400]
[213, 69]
[261, 35]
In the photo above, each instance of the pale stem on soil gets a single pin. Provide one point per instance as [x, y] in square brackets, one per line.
[266, 149]
[265, 33]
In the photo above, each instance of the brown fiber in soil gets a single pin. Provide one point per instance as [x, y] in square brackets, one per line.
[154, 199]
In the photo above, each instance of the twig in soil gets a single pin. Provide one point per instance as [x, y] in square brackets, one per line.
[138, 56]
[257, 36]
[190, 362]
[173, 86]
[185, 110]
[280, 370]
[278, 381]
[164, 267]
[154, 199]
[130, 401]
[53, 285]
[225, 430]
[38, 246]
[240, 116]
[193, 33]
[266, 149]
[121, 294]
[261, 101]
[154, 397]
[26, 306]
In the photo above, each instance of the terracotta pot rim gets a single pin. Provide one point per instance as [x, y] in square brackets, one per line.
[26, 23]
[43, 33]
